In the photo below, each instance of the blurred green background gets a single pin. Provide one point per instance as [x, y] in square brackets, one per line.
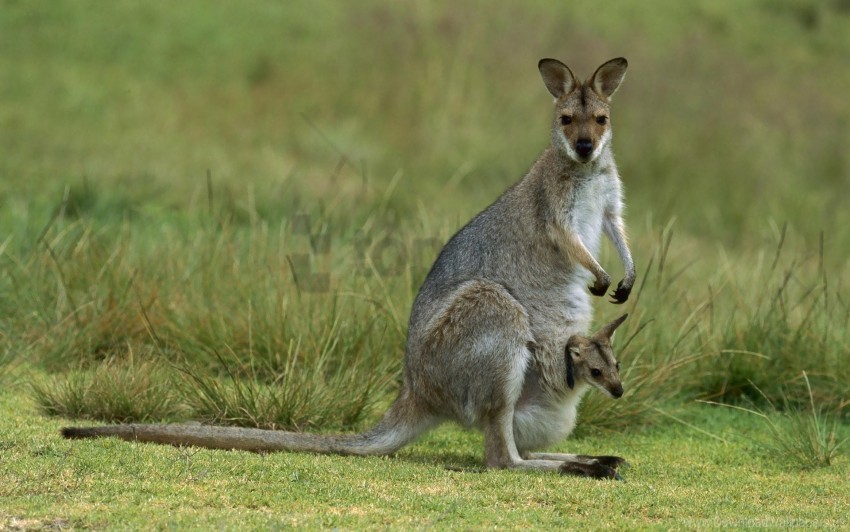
[734, 116]
[167, 169]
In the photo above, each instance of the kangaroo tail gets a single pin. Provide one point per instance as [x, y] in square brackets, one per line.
[399, 426]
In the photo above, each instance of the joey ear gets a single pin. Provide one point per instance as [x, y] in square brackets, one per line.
[572, 349]
[575, 343]
[568, 357]
[608, 77]
[557, 77]
[607, 332]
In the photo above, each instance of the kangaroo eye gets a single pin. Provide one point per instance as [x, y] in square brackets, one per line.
[595, 372]
[601, 120]
[566, 120]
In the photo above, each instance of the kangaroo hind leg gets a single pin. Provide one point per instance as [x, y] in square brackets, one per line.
[489, 342]
[473, 361]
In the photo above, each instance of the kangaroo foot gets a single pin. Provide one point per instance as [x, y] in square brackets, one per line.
[602, 467]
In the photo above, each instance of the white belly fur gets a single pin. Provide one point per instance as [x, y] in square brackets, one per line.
[541, 423]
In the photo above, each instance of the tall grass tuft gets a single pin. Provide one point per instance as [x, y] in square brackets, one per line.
[119, 390]
[260, 344]
[778, 321]
[805, 437]
[332, 376]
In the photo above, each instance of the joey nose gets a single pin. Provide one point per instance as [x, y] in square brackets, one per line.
[617, 391]
[584, 147]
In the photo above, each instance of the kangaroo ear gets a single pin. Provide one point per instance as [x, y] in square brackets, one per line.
[607, 77]
[557, 76]
[607, 332]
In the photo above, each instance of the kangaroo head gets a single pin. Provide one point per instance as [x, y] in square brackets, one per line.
[592, 360]
[582, 125]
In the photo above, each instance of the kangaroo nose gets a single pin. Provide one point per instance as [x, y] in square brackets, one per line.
[584, 147]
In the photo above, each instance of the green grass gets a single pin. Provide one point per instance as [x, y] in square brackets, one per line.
[809, 438]
[678, 477]
[116, 390]
[223, 213]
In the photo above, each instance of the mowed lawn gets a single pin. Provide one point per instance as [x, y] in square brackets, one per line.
[679, 477]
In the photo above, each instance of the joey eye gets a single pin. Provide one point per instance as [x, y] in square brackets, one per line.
[566, 120]
[601, 120]
[618, 366]
[595, 372]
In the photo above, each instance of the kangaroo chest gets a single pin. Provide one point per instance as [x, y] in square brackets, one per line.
[585, 210]
[559, 306]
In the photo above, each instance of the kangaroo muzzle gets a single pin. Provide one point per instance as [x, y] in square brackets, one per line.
[584, 148]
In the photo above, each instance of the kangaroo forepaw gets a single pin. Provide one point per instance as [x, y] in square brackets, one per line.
[600, 287]
[591, 470]
[621, 294]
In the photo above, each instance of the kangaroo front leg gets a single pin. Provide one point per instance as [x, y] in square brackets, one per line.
[616, 231]
[571, 244]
